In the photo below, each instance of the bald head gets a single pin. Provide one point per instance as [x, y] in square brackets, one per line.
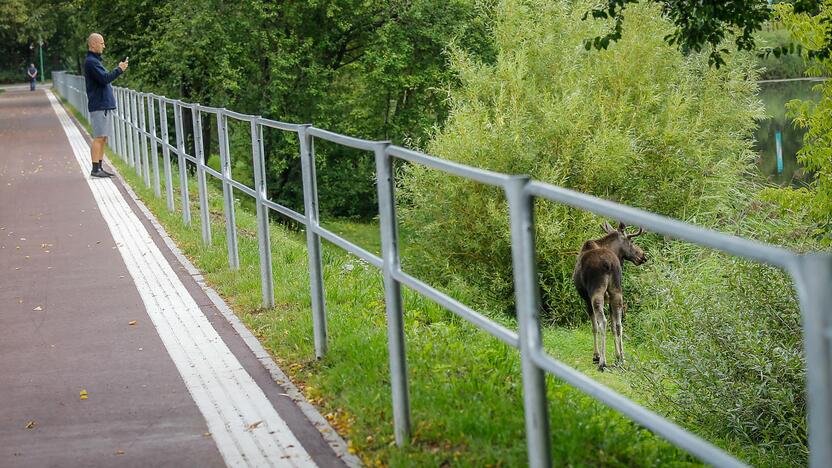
[95, 43]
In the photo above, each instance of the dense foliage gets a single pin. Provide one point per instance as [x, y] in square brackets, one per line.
[24, 25]
[706, 25]
[372, 69]
[638, 123]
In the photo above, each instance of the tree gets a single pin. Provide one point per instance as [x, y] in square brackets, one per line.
[700, 24]
[26, 24]
[373, 69]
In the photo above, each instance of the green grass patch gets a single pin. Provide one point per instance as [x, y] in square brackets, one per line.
[465, 387]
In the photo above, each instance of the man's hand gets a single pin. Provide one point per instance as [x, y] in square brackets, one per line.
[123, 66]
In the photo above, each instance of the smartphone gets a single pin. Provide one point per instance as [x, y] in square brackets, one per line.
[126, 59]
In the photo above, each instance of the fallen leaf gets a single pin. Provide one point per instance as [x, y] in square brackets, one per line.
[206, 434]
[132, 322]
[31, 424]
[38, 308]
[254, 425]
[119, 452]
[83, 394]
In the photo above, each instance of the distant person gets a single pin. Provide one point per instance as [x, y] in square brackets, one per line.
[32, 72]
[101, 101]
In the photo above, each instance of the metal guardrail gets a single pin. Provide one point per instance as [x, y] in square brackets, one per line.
[136, 131]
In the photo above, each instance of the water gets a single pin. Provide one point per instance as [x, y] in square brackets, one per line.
[775, 96]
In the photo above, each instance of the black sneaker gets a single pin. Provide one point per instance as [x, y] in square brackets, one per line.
[109, 174]
[100, 173]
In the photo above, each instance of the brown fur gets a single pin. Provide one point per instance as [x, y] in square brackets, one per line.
[597, 277]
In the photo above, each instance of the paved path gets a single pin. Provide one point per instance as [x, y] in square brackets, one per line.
[110, 352]
[24, 87]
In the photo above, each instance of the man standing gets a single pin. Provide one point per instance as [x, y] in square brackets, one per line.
[101, 101]
[33, 75]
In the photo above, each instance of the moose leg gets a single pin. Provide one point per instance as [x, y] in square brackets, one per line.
[595, 355]
[617, 306]
[601, 326]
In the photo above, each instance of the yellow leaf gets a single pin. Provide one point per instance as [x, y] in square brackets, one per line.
[83, 394]
[253, 425]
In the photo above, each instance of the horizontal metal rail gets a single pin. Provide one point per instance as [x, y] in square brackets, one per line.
[344, 140]
[359, 252]
[662, 225]
[461, 310]
[285, 211]
[450, 167]
[812, 273]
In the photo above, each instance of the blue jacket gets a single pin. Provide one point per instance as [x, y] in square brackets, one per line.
[99, 92]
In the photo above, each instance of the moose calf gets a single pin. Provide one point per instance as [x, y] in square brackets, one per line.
[597, 277]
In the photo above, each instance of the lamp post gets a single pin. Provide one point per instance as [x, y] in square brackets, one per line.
[42, 71]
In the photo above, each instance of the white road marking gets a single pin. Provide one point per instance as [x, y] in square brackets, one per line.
[244, 424]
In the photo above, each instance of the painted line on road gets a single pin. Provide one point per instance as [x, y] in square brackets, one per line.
[244, 424]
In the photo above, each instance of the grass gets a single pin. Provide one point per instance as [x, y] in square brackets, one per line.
[465, 387]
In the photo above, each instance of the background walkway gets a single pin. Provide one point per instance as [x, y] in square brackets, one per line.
[85, 378]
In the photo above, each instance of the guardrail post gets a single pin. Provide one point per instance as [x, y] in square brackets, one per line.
[113, 141]
[263, 237]
[227, 192]
[393, 293]
[131, 160]
[83, 97]
[125, 128]
[143, 129]
[163, 122]
[134, 118]
[199, 154]
[154, 145]
[119, 123]
[527, 297]
[313, 241]
[183, 169]
[812, 274]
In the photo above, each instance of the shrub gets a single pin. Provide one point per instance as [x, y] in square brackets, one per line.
[727, 351]
[639, 123]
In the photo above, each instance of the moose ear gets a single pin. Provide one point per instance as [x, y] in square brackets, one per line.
[621, 227]
[606, 227]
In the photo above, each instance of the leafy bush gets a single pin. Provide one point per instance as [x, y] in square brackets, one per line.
[639, 123]
[728, 352]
